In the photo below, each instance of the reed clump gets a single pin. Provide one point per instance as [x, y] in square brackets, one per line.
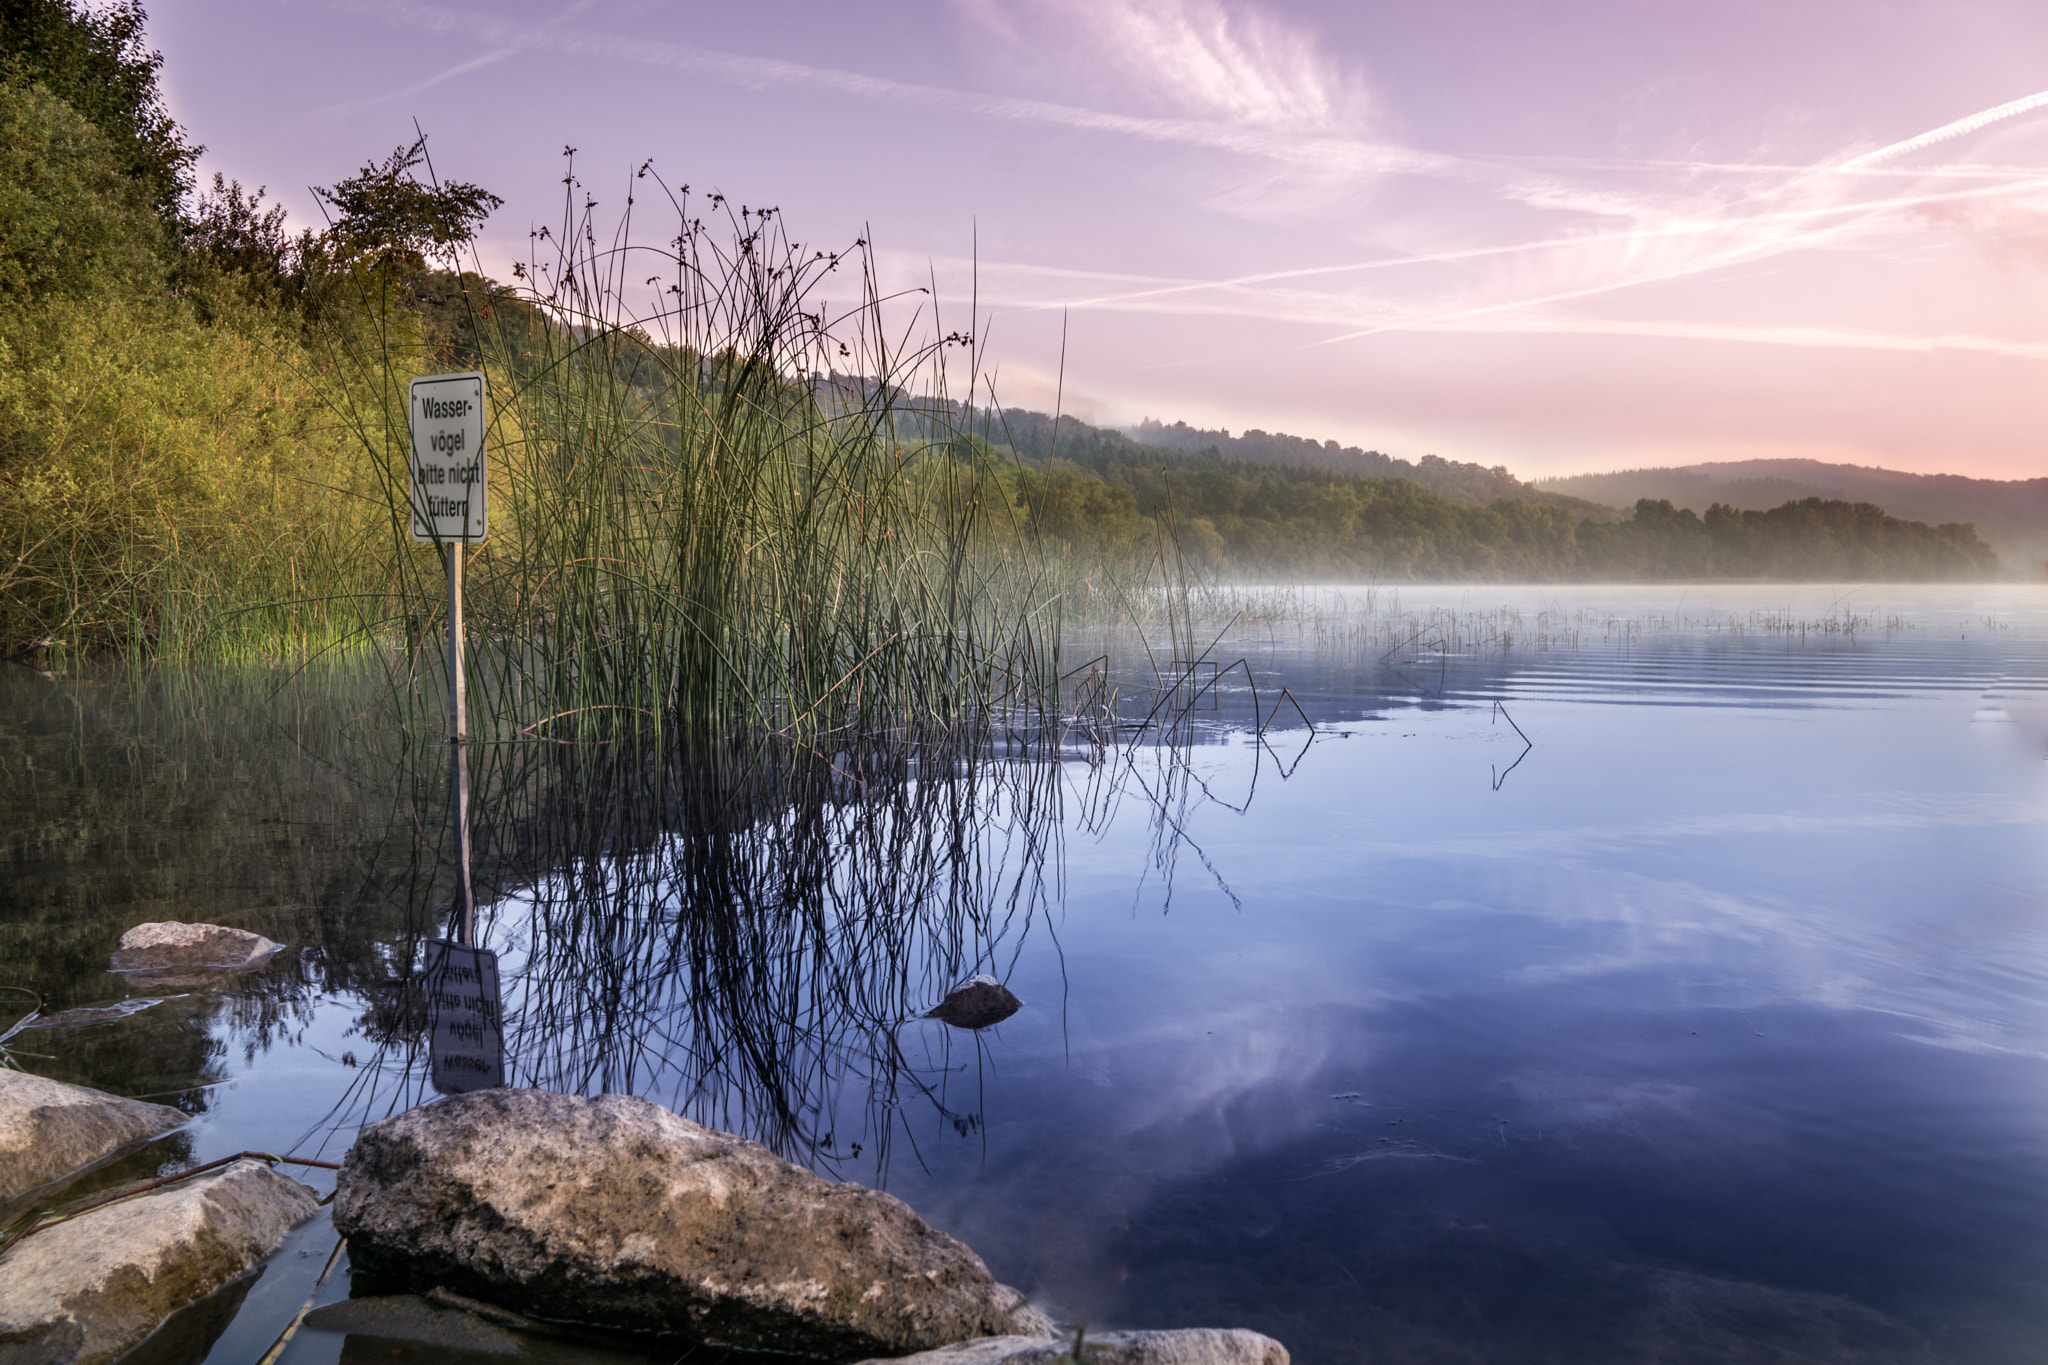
[719, 499]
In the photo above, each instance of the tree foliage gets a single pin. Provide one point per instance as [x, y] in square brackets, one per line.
[385, 213]
[72, 221]
[1272, 519]
[95, 61]
[169, 438]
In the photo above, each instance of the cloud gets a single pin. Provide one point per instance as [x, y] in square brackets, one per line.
[1237, 65]
[1756, 213]
[1330, 154]
[1292, 129]
[1837, 338]
[1225, 66]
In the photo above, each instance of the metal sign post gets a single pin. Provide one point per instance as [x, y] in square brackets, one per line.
[447, 417]
[464, 1026]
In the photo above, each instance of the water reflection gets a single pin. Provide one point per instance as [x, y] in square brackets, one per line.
[1714, 1033]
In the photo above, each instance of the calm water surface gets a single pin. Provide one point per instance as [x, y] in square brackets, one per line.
[1714, 1028]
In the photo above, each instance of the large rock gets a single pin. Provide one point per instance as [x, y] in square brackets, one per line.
[88, 1289]
[168, 953]
[618, 1212]
[49, 1130]
[1189, 1346]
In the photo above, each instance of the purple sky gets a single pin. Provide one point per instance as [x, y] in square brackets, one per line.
[1567, 236]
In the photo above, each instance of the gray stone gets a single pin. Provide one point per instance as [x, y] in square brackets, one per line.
[1188, 1346]
[168, 953]
[976, 1004]
[88, 1289]
[49, 1130]
[617, 1212]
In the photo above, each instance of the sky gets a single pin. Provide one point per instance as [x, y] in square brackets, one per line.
[1562, 236]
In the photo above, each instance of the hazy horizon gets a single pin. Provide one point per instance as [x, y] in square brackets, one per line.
[1582, 238]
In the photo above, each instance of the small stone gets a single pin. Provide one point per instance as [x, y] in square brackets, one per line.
[168, 953]
[49, 1130]
[977, 1003]
[615, 1211]
[88, 1289]
[1187, 1346]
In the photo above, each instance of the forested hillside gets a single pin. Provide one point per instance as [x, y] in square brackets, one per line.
[1272, 518]
[1475, 485]
[2011, 514]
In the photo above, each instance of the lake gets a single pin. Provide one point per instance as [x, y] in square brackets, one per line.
[1548, 974]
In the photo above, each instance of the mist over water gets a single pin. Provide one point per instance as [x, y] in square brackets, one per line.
[1564, 974]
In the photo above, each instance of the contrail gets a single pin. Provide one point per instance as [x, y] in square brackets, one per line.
[1836, 338]
[1690, 228]
[1995, 114]
[1865, 162]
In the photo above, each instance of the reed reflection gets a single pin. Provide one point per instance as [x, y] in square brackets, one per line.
[751, 933]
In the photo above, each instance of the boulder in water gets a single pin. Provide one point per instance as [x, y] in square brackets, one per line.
[49, 1130]
[169, 953]
[615, 1211]
[88, 1289]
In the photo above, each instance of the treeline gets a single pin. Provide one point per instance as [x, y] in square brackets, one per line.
[1461, 481]
[1276, 520]
[2011, 514]
[1812, 538]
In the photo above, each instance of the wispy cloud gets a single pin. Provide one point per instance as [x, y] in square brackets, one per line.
[1328, 154]
[1237, 80]
[1237, 64]
[460, 69]
[1838, 338]
[1766, 212]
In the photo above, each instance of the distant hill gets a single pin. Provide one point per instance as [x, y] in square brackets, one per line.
[1470, 485]
[2011, 514]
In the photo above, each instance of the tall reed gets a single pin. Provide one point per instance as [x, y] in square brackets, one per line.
[720, 500]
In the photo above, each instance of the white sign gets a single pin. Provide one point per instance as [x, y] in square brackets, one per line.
[447, 412]
[464, 1028]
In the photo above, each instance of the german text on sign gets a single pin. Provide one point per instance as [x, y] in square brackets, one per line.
[464, 1025]
[447, 418]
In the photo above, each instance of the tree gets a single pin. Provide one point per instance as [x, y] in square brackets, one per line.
[96, 62]
[384, 216]
[72, 222]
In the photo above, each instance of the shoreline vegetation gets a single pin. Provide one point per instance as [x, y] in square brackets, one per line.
[715, 497]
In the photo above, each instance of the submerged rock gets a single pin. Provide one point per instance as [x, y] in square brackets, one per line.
[978, 1003]
[617, 1212]
[49, 1130]
[168, 953]
[1189, 1346]
[88, 1289]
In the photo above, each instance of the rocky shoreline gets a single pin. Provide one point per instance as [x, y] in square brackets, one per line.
[611, 1212]
[521, 1211]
